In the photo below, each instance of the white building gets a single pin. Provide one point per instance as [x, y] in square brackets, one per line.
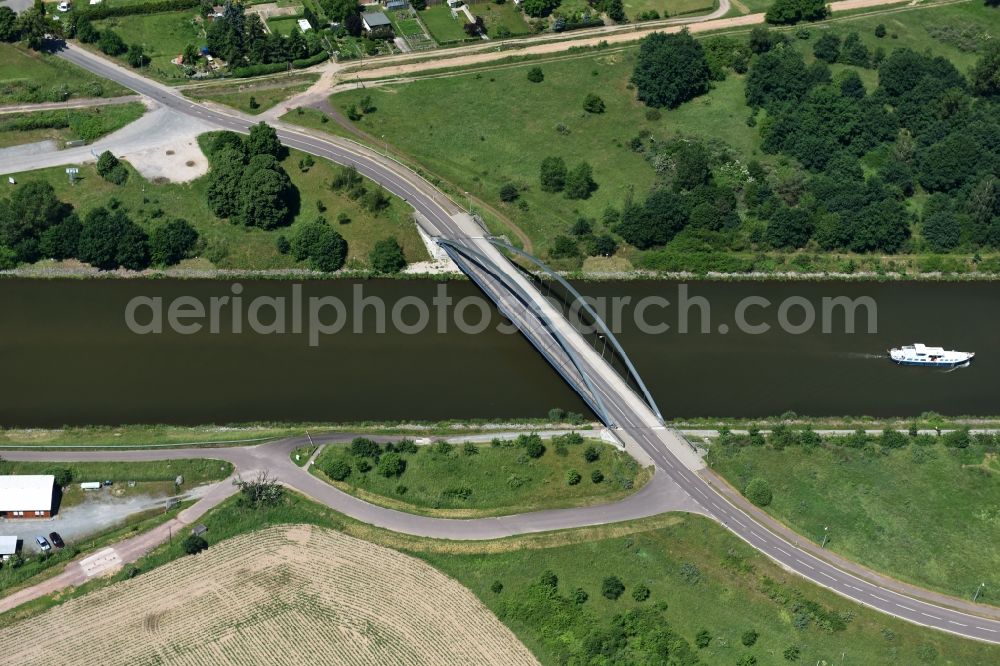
[8, 546]
[26, 495]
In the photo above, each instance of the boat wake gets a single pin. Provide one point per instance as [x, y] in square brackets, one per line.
[957, 367]
[863, 355]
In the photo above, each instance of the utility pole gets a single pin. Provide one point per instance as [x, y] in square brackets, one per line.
[826, 535]
[978, 590]
[469, 201]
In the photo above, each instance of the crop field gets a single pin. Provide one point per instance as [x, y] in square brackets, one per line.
[284, 595]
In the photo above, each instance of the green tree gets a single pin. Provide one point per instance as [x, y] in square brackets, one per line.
[854, 51]
[985, 74]
[788, 228]
[941, 228]
[387, 256]
[747, 660]
[61, 240]
[880, 31]
[593, 104]
[171, 242]
[612, 587]
[8, 25]
[534, 447]
[110, 239]
[263, 140]
[776, 76]
[535, 75]
[564, 247]
[266, 194]
[539, 8]
[224, 186]
[827, 48]
[791, 653]
[32, 209]
[549, 579]
[194, 544]
[670, 70]
[111, 44]
[553, 174]
[758, 491]
[793, 11]
[603, 245]
[391, 465]
[509, 192]
[33, 25]
[615, 10]
[656, 222]
[579, 596]
[640, 592]
[316, 241]
[496, 587]
[580, 182]
[749, 637]
[63, 475]
[572, 477]
[692, 166]
[703, 638]
[591, 454]
[893, 439]
[136, 57]
[596, 476]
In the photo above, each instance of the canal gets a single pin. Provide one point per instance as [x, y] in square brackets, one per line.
[211, 352]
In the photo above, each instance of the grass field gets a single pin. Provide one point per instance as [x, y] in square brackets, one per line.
[30, 77]
[163, 37]
[267, 93]
[403, 25]
[463, 127]
[924, 514]
[67, 125]
[232, 246]
[261, 598]
[494, 480]
[708, 578]
[442, 26]
[507, 15]
[668, 7]
[283, 25]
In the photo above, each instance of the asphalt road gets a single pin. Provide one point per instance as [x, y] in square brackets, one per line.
[676, 469]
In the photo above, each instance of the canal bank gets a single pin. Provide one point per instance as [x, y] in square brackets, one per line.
[71, 357]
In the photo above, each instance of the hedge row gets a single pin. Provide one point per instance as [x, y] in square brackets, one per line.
[102, 11]
[274, 67]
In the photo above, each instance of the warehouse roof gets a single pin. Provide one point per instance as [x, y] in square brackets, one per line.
[26, 492]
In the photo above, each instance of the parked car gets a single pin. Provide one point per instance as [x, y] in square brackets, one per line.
[108, 482]
[56, 540]
[43, 544]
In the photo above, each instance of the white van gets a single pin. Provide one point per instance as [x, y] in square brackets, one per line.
[90, 485]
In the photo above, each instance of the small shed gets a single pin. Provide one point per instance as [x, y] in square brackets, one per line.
[373, 20]
[396, 4]
[199, 529]
[8, 546]
[304, 25]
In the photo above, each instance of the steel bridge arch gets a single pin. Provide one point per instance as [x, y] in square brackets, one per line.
[590, 311]
[595, 401]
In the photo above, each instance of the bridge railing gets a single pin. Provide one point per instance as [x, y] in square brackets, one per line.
[574, 298]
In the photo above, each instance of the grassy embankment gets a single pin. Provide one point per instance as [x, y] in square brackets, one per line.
[231, 246]
[924, 513]
[499, 143]
[708, 579]
[266, 92]
[668, 8]
[30, 77]
[67, 125]
[152, 478]
[472, 480]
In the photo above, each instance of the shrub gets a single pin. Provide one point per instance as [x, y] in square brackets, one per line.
[597, 476]
[496, 587]
[338, 470]
[63, 475]
[194, 544]
[364, 466]
[406, 446]
[957, 439]
[640, 592]
[749, 637]
[591, 453]
[880, 31]
[758, 491]
[365, 448]
[111, 169]
[171, 242]
[553, 174]
[549, 579]
[572, 477]
[593, 104]
[747, 660]
[556, 415]
[535, 75]
[703, 638]
[508, 192]
[791, 653]
[893, 439]
[470, 449]
[441, 447]
[387, 256]
[612, 587]
[391, 464]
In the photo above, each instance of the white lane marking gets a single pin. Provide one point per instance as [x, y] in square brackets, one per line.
[757, 535]
[739, 522]
[992, 631]
[782, 551]
[934, 617]
[912, 610]
[701, 492]
[823, 573]
[878, 597]
[959, 624]
[804, 564]
[854, 587]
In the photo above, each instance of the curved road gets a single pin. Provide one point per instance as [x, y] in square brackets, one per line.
[675, 471]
